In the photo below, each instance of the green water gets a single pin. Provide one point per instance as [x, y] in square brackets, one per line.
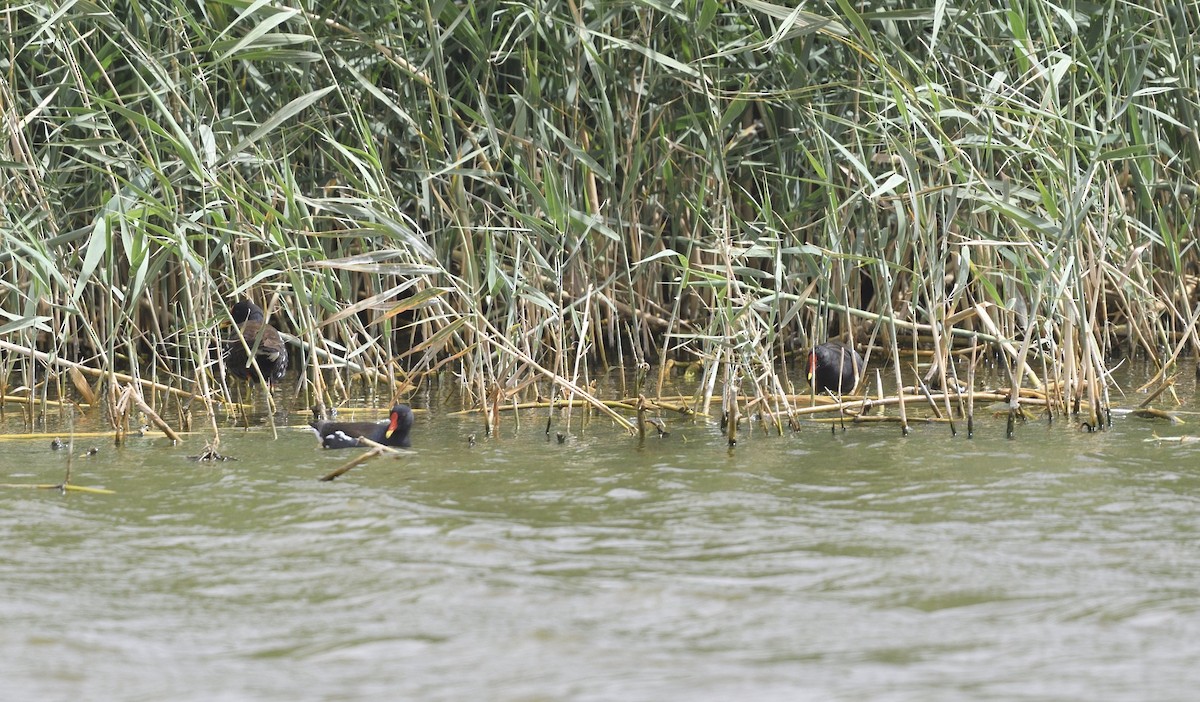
[855, 565]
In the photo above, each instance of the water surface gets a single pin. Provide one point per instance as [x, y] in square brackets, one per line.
[818, 565]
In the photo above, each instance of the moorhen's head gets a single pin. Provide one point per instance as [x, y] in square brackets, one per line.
[833, 367]
[246, 311]
[400, 421]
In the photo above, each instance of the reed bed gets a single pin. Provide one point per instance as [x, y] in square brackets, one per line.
[513, 194]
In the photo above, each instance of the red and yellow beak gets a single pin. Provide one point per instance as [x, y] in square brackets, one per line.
[392, 425]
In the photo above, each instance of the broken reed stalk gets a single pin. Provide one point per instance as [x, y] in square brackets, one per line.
[348, 465]
[495, 395]
[70, 453]
[971, 394]
[550, 414]
[119, 414]
[731, 421]
[641, 417]
[941, 357]
[1047, 383]
[585, 326]
[1166, 384]
[998, 338]
[152, 415]
[54, 435]
[924, 388]
[1154, 413]
[376, 449]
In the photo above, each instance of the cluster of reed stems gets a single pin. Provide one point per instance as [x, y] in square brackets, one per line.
[514, 194]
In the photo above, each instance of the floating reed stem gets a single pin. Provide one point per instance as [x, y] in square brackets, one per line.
[348, 465]
[65, 487]
[376, 450]
[25, 399]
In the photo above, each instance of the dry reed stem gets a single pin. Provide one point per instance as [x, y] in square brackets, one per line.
[908, 397]
[1170, 362]
[641, 417]
[63, 363]
[1154, 413]
[1018, 357]
[377, 449]
[348, 465]
[506, 346]
[153, 416]
[548, 404]
[994, 336]
[1185, 439]
[878, 419]
[1166, 384]
[60, 486]
[81, 385]
[326, 356]
[26, 399]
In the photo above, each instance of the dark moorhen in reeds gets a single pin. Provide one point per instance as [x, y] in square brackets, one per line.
[833, 368]
[393, 432]
[262, 340]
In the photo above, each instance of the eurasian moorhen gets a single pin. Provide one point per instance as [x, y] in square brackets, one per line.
[394, 432]
[833, 368]
[270, 355]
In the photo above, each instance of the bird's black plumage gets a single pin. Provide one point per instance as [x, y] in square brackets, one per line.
[833, 368]
[393, 432]
[267, 352]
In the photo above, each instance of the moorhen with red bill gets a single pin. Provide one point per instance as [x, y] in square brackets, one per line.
[833, 368]
[269, 355]
[393, 432]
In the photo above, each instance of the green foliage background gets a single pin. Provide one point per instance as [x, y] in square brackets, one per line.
[490, 184]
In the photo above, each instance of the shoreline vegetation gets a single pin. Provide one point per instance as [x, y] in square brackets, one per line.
[510, 195]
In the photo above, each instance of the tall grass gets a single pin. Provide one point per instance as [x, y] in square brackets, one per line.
[513, 193]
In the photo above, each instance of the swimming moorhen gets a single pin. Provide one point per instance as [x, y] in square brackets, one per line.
[393, 432]
[833, 368]
[270, 355]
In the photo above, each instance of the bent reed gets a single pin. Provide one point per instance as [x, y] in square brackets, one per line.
[513, 194]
